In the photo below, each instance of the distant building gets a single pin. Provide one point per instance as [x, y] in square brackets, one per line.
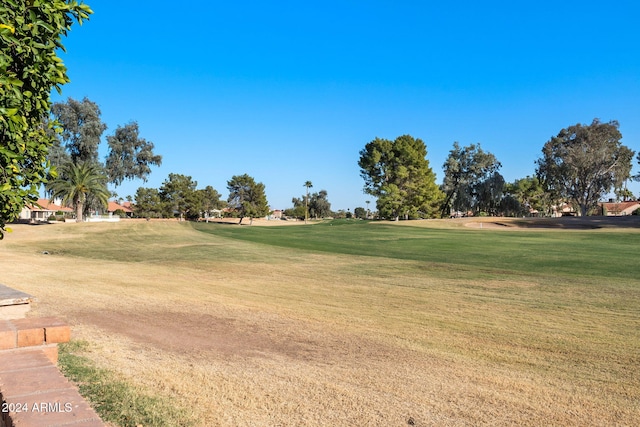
[618, 208]
[114, 206]
[42, 210]
[564, 209]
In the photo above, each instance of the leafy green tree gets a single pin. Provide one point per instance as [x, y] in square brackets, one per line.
[129, 155]
[82, 128]
[299, 210]
[209, 200]
[584, 162]
[488, 194]
[510, 206]
[57, 155]
[247, 197]
[30, 36]
[319, 205]
[624, 194]
[148, 203]
[470, 180]
[398, 173]
[360, 213]
[78, 183]
[179, 197]
[316, 204]
[530, 195]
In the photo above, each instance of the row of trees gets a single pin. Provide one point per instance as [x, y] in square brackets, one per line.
[578, 166]
[82, 177]
[179, 197]
[316, 204]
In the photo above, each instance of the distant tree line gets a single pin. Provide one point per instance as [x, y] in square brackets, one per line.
[315, 205]
[577, 168]
[57, 145]
[178, 197]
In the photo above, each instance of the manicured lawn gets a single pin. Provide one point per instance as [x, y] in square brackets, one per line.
[595, 253]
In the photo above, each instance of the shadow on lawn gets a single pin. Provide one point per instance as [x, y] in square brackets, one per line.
[578, 223]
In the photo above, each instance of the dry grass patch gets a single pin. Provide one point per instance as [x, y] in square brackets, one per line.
[237, 333]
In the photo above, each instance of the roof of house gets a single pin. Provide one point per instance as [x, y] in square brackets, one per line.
[620, 206]
[47, 205]
[113, 206]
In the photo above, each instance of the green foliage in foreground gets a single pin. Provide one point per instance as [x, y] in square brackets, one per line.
[30, 38]
[115, 401]
[594, 253]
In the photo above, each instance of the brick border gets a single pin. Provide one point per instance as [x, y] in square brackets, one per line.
[33, 392]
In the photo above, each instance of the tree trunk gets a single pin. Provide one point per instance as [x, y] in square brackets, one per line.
[583, 210]
[79, 209]
[241, 218]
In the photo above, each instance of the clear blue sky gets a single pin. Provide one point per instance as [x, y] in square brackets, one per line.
[290, 91]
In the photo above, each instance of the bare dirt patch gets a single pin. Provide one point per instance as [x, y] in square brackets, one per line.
[189, 333]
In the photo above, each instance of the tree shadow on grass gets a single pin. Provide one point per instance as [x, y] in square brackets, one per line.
[578, 223]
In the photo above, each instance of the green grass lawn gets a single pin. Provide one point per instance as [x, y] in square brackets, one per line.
[608, 254]
[582, 286]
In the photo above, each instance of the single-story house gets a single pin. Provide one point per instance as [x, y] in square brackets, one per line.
[42, 210]
[114, 206]
[619, 208]
[564, 209]
[129, 205]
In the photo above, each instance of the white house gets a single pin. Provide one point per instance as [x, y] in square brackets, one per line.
[619, 208]
[42, 210]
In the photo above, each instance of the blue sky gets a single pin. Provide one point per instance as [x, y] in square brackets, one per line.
[290, 91]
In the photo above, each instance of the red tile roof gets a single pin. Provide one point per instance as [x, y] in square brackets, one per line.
[113, 206]
[47, 205]
[620, 206]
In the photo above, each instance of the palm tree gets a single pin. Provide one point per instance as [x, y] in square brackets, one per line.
[76, 183]
[307, 184]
